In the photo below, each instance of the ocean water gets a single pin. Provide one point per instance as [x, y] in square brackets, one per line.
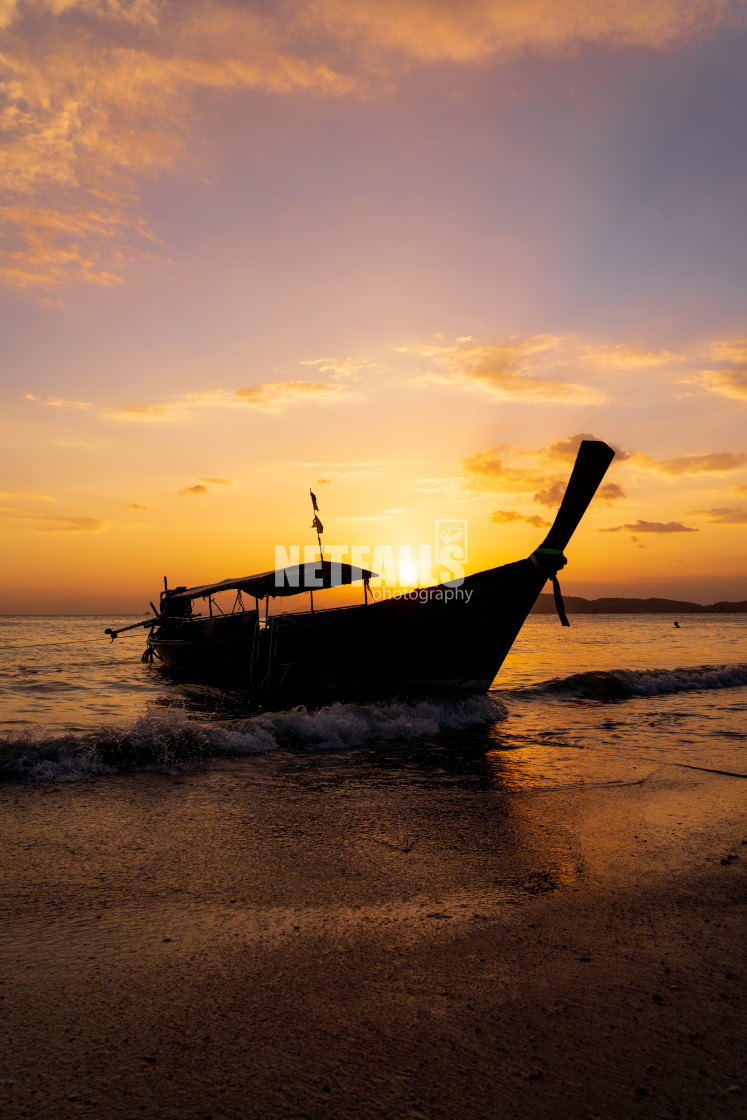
[609, 699]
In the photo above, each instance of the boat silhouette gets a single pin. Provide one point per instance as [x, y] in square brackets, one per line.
[451, 638]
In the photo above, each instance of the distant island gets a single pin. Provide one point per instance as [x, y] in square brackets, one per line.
[574, 604]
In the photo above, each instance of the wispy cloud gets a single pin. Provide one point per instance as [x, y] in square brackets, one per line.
[608, 493]
[508, 369]
[98, 95]
[728, 350]
[514, 470]
[270, 396]
[341, 367]
[707, 462]
[274, 395]
[202, 486]
[725, 515]
[651, 527]
[60, 402]
[552, 495]
[57, 524]
[488, 470]
[476, 30]
[536, 368]
[620, 356]
[136, 506]
[566, 450]
[731, 379]
[29, 494]
[728, 382]
[507, 516]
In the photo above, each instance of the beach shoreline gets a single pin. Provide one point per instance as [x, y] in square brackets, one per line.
[368, 936]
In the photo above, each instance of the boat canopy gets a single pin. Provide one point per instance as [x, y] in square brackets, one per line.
[313, 576]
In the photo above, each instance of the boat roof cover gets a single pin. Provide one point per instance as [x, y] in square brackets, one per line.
[313, 576]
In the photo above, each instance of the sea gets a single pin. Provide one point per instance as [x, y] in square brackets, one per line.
[609, 699]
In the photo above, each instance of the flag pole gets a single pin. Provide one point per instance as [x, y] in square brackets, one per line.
[316, 524]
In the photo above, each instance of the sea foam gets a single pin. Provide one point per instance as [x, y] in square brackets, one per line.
[621, 684]
[166, 738]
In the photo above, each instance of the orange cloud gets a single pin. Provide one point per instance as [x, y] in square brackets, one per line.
[273, 395]
[7, 12]
[621, 356]
[506, 516]
[711, 462]
[552, 496]
[506, 369]
[25, 494]
[728, 382]
[608, 492]
[475, 30]
[731, 381]
[723, 515]
[566, 450]
[512, 470]
[486, 470]
[270, 396]
[58, 524]
[87, 109]
[339, 367]
[96, 95]
[728, 350]
[651, 527]
[59, 402]
[190, 491]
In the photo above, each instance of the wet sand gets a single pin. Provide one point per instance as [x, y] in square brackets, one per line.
[373, 935]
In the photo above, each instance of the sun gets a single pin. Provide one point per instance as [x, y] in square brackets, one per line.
[408, 575]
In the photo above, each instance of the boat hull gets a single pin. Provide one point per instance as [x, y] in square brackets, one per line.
[442, 639]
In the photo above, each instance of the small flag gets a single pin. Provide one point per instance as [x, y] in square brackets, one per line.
[316, 524]
[313, 501]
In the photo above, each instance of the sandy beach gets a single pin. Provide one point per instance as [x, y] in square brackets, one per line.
[373, 934]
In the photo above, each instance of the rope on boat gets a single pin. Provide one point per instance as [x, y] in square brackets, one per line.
[559, 563]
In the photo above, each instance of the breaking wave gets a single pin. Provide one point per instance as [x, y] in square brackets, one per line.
[620, 684]
[169, 738]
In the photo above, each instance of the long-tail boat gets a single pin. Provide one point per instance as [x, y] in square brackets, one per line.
[449, 638]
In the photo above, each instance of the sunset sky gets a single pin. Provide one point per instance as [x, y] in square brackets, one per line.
[398, 251]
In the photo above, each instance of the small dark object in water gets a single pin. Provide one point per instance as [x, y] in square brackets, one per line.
[676, 623]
